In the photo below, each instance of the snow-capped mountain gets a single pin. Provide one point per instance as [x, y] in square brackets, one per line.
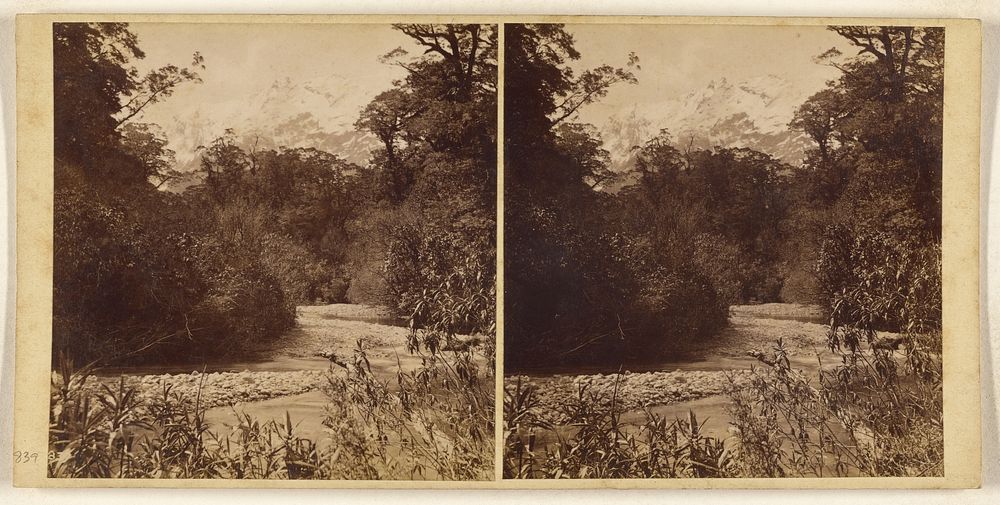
[290, 114]
[752, 114]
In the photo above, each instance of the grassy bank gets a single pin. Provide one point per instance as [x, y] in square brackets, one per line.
[871, 412]
[433, 423]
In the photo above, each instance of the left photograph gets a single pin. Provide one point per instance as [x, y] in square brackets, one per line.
[274, 251]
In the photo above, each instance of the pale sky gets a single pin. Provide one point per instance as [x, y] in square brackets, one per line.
[258, 75]
[261, 75]
[677, 60]
[242, 59]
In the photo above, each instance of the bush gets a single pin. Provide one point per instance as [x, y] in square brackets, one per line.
[723, 263]
[671, 311]
[599, 446]
[873, 280]
[304, 278]
[607, 299]
[244, 306]
[436, 423]
[444, 280]
[736, 275]
[367, 283]
[335, 291]
[799, 284]
[119, 287]
[148, 277]
[667, 304]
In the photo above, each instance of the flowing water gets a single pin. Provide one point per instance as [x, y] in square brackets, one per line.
[337, 328]
[319, 332]
[288, 352]
[752, 327]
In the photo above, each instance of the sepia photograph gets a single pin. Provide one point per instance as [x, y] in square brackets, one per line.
[723, 251]
[274, 251]
[499, 252]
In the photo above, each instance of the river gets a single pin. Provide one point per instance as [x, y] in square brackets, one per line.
[287, 374]
[696, 381]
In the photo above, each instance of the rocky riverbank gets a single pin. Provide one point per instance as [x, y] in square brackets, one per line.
[298, 362]
[631, 391]
[323, 341]
[711, 368]
[221, 388]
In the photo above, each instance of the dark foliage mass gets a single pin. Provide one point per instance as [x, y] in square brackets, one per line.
[602, 276]
[609, 267]
[142, 273]
[594, 275]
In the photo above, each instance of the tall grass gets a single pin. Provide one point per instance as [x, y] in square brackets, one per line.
[594, 443]
[874, 414]
[435, 422]
[852, 420]
[421, 429]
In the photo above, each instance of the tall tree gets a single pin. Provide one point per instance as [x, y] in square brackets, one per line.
[878, 128]
[98, 90]
[432, 212]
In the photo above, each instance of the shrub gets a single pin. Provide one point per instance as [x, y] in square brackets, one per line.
[119, 286]
[723, 263]
[442, 280]
[244, 305]
[874, 281]
[303, 277]
[148, 277]
[670, 311]
[610, 299]
[799, 283]
[667, 303]
[597, 445]
[335, 291]
[438, 425]
[367, 283]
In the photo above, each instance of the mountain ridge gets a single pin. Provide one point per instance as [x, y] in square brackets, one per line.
[284, 114]
[752, 114]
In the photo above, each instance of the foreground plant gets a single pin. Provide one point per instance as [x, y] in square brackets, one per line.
[860, 418]
[423, 427]
[856, 419]
[879, 411]
[594, 443]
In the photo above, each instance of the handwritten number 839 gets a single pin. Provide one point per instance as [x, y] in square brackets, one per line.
[25, 457]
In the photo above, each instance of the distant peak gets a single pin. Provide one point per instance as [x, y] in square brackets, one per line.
[751, 113]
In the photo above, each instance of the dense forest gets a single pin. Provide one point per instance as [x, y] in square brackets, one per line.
[143, 274]
[606, 277]
[604, 269]
[662, 273]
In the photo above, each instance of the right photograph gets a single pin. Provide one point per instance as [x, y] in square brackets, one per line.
[722, 251]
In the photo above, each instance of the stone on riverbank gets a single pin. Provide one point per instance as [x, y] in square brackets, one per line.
[631, 391]
[223, 388]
